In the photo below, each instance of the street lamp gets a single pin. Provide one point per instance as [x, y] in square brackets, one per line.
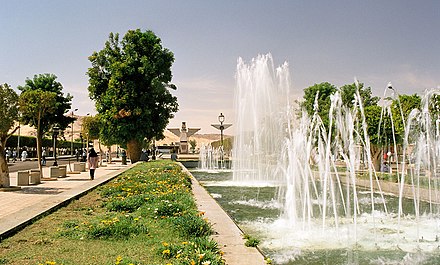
[71, 143]
[221, 127]
[82, 150]
[88, 132]
[55, 132]
[221, 119]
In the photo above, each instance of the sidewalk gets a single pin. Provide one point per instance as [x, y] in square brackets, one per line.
[21, 207]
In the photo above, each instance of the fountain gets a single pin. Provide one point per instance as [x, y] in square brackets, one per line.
[333, 206]
[211, 158]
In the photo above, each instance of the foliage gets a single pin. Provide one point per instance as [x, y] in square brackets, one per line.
[31, 141]
[8, 109]
[251, 241]
[135, 233]
[348, 92]
[43, 105]
[128, 81]
[193, 144]
[155, 192]
[90, 127]
[8, 114]
[402, 106]
[47, 99]
[320, 94]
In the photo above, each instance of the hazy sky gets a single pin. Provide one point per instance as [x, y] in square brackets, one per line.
[334, 41]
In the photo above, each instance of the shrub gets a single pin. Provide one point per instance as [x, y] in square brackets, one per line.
[251, 241]
[117, 228]
[192, 226]
[125, 204]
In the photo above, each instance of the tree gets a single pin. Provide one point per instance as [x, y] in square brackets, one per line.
[9, 114]
[348, 92]
[90, 129]
[320, 94]
[43, 106]
[401, 107]
[193, 144]
[129, 81]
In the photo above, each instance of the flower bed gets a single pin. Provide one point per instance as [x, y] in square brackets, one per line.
[147, 215]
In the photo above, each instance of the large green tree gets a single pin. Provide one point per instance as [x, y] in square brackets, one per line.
[43, 106]
[348, 94]
[129, 81]
[318, 96]
[8, 114]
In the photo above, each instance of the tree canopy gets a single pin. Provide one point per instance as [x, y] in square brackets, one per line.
[129, 81]
[43, 105]
[62, 104]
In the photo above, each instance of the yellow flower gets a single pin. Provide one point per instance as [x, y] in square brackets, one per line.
[166, 251]
[165, 244]
[193, 262]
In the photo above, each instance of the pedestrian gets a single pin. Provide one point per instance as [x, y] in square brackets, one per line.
[93, 162]
[43, 157]
[8, 155]
[14, 155]
[24, 155]
[77, 155]
[84, 155]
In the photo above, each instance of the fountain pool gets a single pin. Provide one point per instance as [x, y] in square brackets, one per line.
[312, 192]
[258, 212]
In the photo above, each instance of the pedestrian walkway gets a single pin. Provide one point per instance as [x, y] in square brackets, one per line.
[19, 208]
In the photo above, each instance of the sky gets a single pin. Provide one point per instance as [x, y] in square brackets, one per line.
[323, 41]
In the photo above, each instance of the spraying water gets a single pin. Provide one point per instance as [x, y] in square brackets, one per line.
[322, 172]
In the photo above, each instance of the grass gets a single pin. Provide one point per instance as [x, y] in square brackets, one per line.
[145, 216]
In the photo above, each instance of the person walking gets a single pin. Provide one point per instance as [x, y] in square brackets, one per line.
[14, 155]
[43, 157]
[24, 155]
[93, 162]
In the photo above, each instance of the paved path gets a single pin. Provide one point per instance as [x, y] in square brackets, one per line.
[21, 207]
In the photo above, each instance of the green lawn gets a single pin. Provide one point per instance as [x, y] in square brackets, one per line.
[147, 215]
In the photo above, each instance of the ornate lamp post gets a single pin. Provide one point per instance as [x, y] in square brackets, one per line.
[71, 143]
[55, 132]
[81, 138]
[221, 127]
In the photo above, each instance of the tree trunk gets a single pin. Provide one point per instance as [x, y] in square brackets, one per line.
[4, 173]
[100, 153]
[39, 144]
[375, 156]
[109, 150]
[134, 150]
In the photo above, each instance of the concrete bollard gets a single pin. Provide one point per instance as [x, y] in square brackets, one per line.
[54, 172]
[62, 171]
[22, 178]
[81, 167]
[34, 176]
